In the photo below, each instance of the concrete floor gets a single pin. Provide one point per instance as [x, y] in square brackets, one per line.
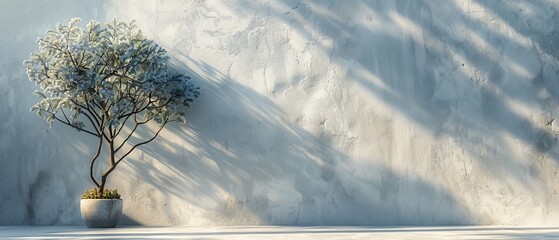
[280, 232]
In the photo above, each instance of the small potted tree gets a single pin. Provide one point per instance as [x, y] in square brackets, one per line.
[106, 81]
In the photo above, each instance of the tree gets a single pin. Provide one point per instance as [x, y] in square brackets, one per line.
[100, 79]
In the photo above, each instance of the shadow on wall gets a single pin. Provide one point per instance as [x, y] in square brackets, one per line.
[481, 77]
[470, 80]
[242, 162]
[485, 79]
[462, 75]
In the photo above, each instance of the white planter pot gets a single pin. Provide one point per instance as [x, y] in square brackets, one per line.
[101, 213]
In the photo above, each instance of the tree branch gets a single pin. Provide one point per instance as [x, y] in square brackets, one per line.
[92, 161]
[69, 124]
[94, 124]
[122, 126]
[136, 124]
[142, 143]
[91, 111]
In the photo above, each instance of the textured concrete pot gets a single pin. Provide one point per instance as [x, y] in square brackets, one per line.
[101, 213]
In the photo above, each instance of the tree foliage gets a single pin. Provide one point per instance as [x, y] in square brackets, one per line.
[99, 78]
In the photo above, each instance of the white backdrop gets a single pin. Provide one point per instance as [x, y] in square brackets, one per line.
[312, 113]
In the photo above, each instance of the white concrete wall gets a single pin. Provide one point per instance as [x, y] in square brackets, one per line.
[312, 113]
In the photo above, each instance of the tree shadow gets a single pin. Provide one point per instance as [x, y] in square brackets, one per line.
[472, 76]
[460, 82]
[240, 161]
[455, 82]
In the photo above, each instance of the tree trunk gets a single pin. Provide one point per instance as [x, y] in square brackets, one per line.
[102, 187]
[110, 169]
[92, 162]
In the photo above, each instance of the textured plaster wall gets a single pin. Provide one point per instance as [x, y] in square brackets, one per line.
[312, 113]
